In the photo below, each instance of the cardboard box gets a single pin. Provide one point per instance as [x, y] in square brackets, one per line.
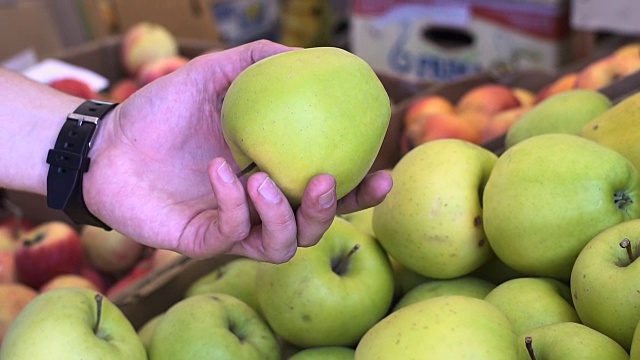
[26, 25]
[230, 21]
[434, 41]
[620, 16]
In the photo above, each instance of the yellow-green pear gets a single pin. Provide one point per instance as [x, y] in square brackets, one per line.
[444, 327]
[304, 112]
[564, 112]
[618, 128]
[531, 302]
[549, 195]
[431, 220]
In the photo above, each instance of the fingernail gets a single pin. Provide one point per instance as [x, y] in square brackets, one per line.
[225, 173]
[269, 191]
[327, 199]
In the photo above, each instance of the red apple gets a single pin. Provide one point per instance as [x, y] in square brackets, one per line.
[110, 251]
[49, 249]
[158, 68]
[13, 298]
[139, 272]
[68, 280]
[488, 99]
[565, 82]
[7, 267]
[145, 42]
[101, 280]
[122, 90]
[74, 87]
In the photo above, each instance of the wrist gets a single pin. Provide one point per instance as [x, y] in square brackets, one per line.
[69, 161]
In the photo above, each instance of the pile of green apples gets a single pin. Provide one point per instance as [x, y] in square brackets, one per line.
[524, 254]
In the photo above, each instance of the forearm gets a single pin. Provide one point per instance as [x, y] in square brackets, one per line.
[31, 115]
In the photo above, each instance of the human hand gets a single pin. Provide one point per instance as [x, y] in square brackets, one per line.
[163, 174]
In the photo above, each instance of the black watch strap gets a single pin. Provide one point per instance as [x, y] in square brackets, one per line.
[68, 161]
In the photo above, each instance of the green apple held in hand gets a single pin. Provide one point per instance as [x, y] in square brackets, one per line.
[444, 327]
[465, 286]
[431, 221]
[304, 112]
[236, 278]
[212, 326]
[532, 302]
[568, 341]
[328, 294]
[565, 112]
[71, 323]
[605, 282]
[548, 195]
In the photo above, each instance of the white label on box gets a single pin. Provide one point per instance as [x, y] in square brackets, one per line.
[415, 39]
[49, 70]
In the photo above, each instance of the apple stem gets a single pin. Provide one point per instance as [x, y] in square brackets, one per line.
[528, 343]
[99, 299]
[34, 240]
[246, 170]
[626, 244]
[342, 262]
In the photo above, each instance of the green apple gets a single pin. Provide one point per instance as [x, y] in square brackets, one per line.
[605, 282]
[466, 286]
[617, 128]
[496, 271]
[550, 194]
[237, 278]
[531, 302]
[568, 341]
[431, 220]
[325, 353]
[329, 294]
[71, 323]
[404, 278]
[304, 112]
[147, 329]
[212, 326]
[362, 220]
[634, 353]
[443, 327]
[564, 112]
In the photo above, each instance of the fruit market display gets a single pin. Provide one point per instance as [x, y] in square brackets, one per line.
[528, 253]
[486, 112]
[147, 52]
[36, 259]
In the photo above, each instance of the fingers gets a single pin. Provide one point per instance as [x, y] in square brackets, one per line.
[275, 239]
[233, 223]
[317, 210]
[370, 192]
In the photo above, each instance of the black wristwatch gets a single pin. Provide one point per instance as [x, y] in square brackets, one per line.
[68, 161]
